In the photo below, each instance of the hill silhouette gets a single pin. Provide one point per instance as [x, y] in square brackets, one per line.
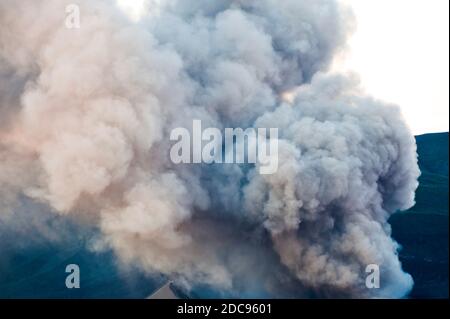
[423, 230]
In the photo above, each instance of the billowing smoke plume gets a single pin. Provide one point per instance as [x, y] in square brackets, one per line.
[86, 115]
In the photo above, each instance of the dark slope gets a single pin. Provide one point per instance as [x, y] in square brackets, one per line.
[34, 253]
[423, 230]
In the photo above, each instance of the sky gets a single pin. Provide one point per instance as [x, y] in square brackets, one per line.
[401, 52]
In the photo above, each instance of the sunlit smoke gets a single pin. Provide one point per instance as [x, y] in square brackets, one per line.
[85, 129]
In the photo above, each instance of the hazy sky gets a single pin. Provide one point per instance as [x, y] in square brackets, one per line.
[401, 51]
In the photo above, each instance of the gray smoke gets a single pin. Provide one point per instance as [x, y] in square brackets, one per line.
[86, 115]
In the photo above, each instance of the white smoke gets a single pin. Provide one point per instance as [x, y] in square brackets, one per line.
[85, 120]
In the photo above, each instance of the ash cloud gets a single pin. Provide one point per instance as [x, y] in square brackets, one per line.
[86, 115]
